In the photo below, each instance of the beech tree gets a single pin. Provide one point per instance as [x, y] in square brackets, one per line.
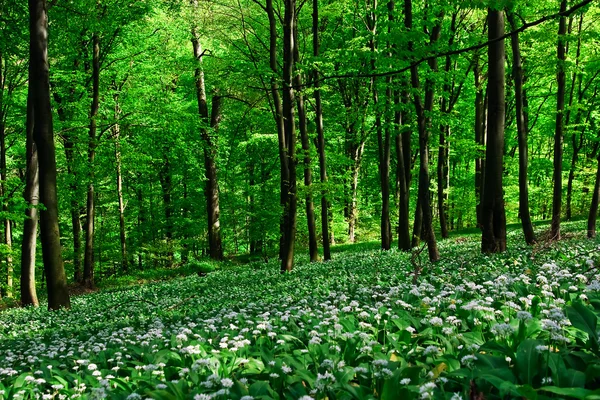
[58, 294]
[493, 238]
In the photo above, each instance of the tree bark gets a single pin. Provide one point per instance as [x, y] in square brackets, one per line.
[522, 119]
[31, 197]
[559, 128]
[320, 139]
[7, 233]
[290, 206]
[593, 215]
[424, 126]
[209, 123]
[88, 258]
[401, 177]
[302, 125]
[279, 119]
[166, 184]
[576, 142]
[122, 233]
[493, 237]
[480, 134]
[58, 294]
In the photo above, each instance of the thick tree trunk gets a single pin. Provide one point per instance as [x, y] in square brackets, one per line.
[522, 119]
[88, 258]
[559, 128]
[320, 139]
[593, 215]
[209, 123]
[302, 125]
[290, 206]
[31, 197]
[58, 294]
[493, 237]
[122, 233]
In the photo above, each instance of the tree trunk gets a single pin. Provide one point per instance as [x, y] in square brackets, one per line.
[88, 258]
[559, 128]
[290, 206]
[424, 126]
[479, 135]
[279, 119]
[320, 139]
[166, 185]
[353, 205]
[577, 143]
[302, 125]
[31, 197]
[443, 177]
[209, 123]
[58, 294]
[7, 238]
[403, 197]
[449, 98]
[522, 119]
[69, 147]
[122, 235]
[593, 215]
[493, 237]
[383, 141]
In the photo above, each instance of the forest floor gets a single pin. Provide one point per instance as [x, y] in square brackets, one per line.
[364, 325]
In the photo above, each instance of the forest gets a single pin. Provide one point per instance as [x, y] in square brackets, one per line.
[398, 199]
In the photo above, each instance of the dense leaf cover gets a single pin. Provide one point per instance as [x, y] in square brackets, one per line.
[520, 324]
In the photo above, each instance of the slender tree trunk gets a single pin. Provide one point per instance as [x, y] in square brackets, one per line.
[593, 215]
[58, 294]
[140, 224]
[353, 206]
[210, 123]
[69, 147]
[479, 135]
[493, 237]
[88, 259]
[558, 133]
[446, 106]
[424, 125]
[31, 197]
[576, 142]
[320, 139]
[279, 119]
[291, 200]
[122, 235]
[383, 142]
[403, 197]
[522, 119]
[302, 125]
[166, 184]
[7, 238]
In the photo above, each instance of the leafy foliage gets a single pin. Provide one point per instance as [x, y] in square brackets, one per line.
[520, 324]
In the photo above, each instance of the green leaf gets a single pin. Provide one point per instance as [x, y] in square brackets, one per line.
[528, 360]
[578, 393]
[584, 319]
